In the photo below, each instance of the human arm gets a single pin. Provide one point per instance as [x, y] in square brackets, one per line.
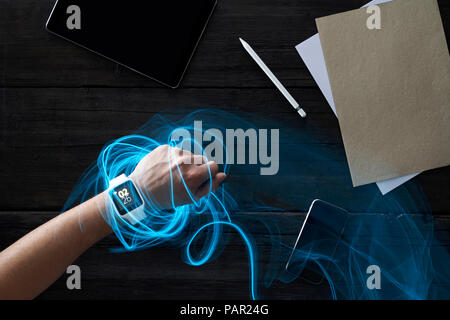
[34, 262]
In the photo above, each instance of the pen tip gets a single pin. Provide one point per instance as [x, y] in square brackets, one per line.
[302, 113]
[242, 40]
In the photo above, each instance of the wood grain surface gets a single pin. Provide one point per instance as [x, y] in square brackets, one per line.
[59, 104]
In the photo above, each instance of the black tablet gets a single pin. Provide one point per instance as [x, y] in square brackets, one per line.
[155, 38]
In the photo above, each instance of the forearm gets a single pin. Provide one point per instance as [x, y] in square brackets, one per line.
[34, 262]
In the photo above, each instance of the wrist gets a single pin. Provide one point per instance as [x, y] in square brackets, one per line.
[125, 200]
[89, 216]
[133, 177]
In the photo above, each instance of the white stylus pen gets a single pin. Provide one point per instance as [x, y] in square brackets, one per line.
[274, 79]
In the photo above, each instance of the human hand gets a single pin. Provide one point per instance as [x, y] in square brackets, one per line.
[152, 176]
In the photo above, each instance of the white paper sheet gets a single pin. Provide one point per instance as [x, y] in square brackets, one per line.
[311, 52]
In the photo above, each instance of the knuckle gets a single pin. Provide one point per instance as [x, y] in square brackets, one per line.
[163, 147]
[186, 159]
[191, 176]
[213, 164]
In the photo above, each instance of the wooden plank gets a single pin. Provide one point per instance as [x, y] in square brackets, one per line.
[159, 273]
[32, 57]
[49, 136]
[56, 116]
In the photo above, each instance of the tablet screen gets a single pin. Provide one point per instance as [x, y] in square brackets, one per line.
[155, 38]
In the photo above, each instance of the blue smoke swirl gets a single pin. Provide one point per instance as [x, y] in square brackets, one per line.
[395, 231]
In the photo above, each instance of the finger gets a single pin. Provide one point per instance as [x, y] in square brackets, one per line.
[199, 159]
[191, 158]
[216, 182]
[206, 168]
[195, 176]
[176, 154]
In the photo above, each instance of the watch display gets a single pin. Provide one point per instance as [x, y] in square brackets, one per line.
[125, 197]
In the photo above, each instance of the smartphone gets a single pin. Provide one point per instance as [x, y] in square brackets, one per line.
[320, 234]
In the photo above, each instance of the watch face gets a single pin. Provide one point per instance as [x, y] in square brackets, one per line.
[125, 197]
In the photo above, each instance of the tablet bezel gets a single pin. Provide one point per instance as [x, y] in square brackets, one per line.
[173, 86]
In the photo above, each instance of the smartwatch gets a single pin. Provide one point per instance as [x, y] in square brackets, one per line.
[126, 199]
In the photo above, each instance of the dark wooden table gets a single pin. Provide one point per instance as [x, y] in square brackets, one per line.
[59, 104]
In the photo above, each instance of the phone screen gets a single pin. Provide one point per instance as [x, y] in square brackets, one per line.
[319, 236]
